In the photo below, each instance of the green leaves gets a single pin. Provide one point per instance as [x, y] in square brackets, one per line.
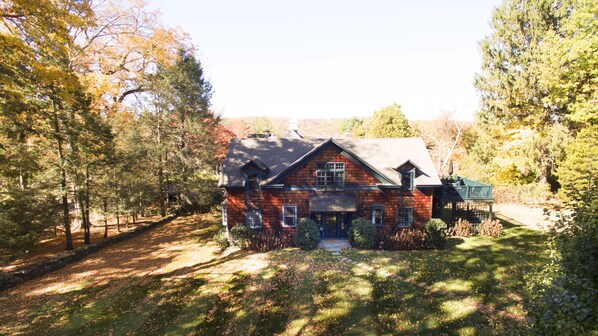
[389, 122]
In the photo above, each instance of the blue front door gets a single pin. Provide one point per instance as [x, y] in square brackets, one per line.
[334, 225]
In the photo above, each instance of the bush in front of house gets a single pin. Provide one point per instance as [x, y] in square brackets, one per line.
[362, 234]
[436, 230]
[462, 228]
[221, 239]
[239, 236]
[403, 239]
[491, 228]
[264, 241]
[307, 234]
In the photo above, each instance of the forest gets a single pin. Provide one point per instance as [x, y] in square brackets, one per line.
[105, 115]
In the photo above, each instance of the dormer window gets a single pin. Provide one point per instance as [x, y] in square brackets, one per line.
[253, 182]
[407, 171]
[407, 178]
[254, 171]
[330, 175]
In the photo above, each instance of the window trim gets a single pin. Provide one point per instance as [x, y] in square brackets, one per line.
[333, 168]
[259, 218]
[374, 207]
[294, 216]
[409, 212]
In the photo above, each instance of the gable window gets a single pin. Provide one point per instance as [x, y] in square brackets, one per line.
[330, 176]
[289, 215]
[407, 178]
[405, 217]
[378, 214]
[254, 218]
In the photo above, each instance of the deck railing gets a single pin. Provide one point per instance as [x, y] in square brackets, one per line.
[465, 190]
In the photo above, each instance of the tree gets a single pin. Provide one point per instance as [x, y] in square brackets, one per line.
[578, 172]
[443, 137]
[183, 130]
[389, 122]
[538, 76]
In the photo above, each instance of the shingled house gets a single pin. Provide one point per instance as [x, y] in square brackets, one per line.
[271, 183]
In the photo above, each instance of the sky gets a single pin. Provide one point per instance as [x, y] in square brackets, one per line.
[336, 59]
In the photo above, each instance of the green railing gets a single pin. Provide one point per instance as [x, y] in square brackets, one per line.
[464, 189]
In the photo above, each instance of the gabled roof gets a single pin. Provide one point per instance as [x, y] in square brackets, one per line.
[378, 156]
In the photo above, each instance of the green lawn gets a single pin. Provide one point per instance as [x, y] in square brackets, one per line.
[475, 287]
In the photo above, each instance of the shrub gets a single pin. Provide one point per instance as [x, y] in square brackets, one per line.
[264, 241]
[436, 231]
[221, 239]
[403, 239]
[362, 233]
[462, 228]
[239, 236]
[491, 228]
[563, 297]
[308, 234]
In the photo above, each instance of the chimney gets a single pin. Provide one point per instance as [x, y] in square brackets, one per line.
[292, 133]
[293, 125]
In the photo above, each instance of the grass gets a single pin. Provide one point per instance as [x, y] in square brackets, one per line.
[475, 287]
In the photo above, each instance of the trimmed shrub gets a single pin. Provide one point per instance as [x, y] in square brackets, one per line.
[264, 241]
[436, 231]
[362, 233]
[308, 234]
[403, 239]
[491, 228]
[239, 236]
[221, 239]
[462, 228]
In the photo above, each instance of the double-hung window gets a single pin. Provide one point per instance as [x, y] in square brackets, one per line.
[289, 215]
[330, 176]
[254, 218]
[378, 214]
[405, 217]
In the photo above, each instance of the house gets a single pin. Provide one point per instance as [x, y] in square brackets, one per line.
[271, 183]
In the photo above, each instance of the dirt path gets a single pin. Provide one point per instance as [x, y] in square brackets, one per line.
[171, 247]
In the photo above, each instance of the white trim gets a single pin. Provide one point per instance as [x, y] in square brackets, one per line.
[283, 216]
[224, 215]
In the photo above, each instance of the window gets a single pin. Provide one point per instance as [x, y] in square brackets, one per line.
[330, 176]
[289, 215]
[254, 218]
[407, 179]
[224, 215]
[253, 182]
[378, 214]
[405, 217]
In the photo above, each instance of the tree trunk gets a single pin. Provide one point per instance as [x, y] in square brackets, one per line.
[84, 222]
[105, 218]
[66, 220]
[117, 217]
[161, 176]
[86, 209]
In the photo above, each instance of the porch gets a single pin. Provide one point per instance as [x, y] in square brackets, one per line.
[463, 198]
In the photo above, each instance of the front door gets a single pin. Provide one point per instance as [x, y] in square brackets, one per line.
[334, 225]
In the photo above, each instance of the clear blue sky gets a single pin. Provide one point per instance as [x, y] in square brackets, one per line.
[331, 59]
